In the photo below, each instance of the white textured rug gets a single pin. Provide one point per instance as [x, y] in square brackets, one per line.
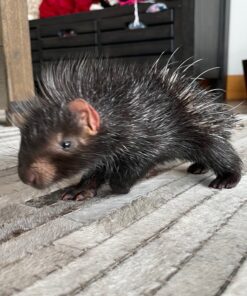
[171, 235]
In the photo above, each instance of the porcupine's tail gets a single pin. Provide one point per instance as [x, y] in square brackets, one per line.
[210, 118]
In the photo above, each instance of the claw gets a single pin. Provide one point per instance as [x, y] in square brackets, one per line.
[78, 193]
[228, 181]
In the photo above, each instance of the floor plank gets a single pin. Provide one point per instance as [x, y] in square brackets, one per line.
[171, 235]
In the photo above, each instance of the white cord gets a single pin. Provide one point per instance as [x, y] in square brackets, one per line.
[136, 21]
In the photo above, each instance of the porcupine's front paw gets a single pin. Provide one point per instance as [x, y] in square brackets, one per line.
[75, 193]
[80, 191]
[229, 180]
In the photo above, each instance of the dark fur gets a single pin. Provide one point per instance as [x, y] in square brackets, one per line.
[147, 116]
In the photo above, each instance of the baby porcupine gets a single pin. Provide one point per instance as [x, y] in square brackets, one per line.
[114, 123]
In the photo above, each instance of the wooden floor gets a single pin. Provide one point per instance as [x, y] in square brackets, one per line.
[170, 236]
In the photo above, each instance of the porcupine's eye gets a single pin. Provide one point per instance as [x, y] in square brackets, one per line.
[66, 145]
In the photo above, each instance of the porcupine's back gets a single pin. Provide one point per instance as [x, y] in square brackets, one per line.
[158, 100]
[201, 106]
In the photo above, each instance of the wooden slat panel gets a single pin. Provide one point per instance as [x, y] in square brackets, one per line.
[33, 33]
[35, 56]
[148, 19]
[152, 33]
[141, 60]
[159, 26]
[82, 27]
[79, 40]
[159, 32]
[140, 48]
[58, 53]
[35, 45]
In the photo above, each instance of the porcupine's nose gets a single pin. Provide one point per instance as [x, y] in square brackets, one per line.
[28, 176]
[31, 178]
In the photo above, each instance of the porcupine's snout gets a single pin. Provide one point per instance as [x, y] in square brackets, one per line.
[29, 177]
[39, 174]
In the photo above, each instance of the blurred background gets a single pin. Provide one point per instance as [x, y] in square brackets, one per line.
[210, 34]
[231, 13]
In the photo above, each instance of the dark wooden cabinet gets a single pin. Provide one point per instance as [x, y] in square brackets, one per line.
[197, 27]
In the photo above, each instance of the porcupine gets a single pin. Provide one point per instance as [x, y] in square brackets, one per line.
[114, 123]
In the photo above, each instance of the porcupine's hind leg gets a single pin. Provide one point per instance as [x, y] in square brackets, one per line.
[197, 168]
[221, 157]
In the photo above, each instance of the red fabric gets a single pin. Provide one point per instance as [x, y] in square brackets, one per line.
[49, 8]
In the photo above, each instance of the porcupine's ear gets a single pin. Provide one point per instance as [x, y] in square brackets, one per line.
[88, 117]
[17, 114]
